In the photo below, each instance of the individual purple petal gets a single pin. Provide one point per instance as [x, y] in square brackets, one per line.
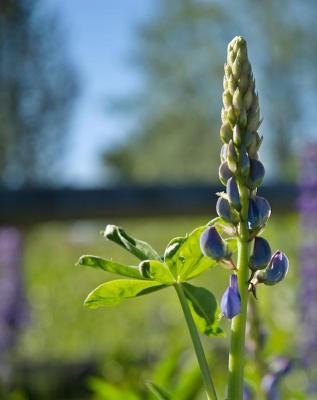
[231, 301]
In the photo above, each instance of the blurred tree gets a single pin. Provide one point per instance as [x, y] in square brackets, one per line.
[181, 51]
[179, 57]
[37, 89]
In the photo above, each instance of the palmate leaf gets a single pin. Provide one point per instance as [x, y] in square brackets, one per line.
[184, 257]
[110, 266]
[140, 249]
[114, 292]
[204, 308]
[156, 270]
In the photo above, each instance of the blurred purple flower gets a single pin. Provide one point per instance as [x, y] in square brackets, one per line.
[270, 382]
[13, 310]
[307, 205]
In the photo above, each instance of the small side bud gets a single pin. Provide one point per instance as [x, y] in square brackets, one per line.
[276, 270]
[227, 99]
[247, 100]
[225, 133]
[237, 100]
[230, 304]
[232, 157]
[212, 245]
[261, 254]
[233, 194]
[244, 162]
[237, 135]
[256, 174]
[224, 173]
[225, 211]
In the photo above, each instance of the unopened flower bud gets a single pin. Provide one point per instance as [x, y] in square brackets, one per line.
[243, 117]
[227, 99]
[247, 100]
[254, 120]
[231, 115]
[258, 213]
[237, 100]
[232, 85]
[212, 245]
[233, 194]
[244, 162]
[225, 132]
[230, 304]
[261, 254]
[237, 135]
[224, 173]
[256, 174]
[255, 144]
[243, 83]
[276, 270]
[232, 157]
[225, 211]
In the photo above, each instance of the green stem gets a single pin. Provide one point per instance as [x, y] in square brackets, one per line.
[206, 376]
[237, 340]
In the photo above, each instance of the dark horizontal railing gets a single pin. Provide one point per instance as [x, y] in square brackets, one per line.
[30, 206]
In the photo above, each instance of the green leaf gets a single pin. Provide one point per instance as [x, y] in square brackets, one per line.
[110, 266]
[138, 248]
[204, 308]
[106, 391]
[184, 257]
[113, 292]
[158, 392]
[156, 270]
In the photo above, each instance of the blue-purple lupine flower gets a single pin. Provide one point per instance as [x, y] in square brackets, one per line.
[261, 254]
[233, 193]
[276, 270]
[212, 245]
[225, 211]
[258, 213]
[270, 382]
[231, 302]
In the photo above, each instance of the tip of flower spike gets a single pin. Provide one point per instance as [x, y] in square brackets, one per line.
[237, 42]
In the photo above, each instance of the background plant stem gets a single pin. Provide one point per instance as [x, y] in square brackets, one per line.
[200, 354]
[238, 326]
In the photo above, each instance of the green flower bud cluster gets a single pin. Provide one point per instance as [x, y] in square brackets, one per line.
[240, 118]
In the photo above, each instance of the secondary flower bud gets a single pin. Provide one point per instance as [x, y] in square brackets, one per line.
[212, 245]
[232, 157]
[244, 162]
[237, 135]
[225, 133]
[256, 174]
[233, 194]
[258, 213]
[261, 254]
[231, 301]
[225, 211]
[276, 270]
[224, 173]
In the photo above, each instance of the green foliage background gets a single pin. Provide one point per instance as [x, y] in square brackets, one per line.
[130, 339]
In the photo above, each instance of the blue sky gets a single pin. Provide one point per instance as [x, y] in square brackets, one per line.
[101, 38]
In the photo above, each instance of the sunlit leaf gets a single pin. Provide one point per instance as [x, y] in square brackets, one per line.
[204, 308]
[138, 248]
[156, 270]
[113, 292]
[184, 257]
[110, 266]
